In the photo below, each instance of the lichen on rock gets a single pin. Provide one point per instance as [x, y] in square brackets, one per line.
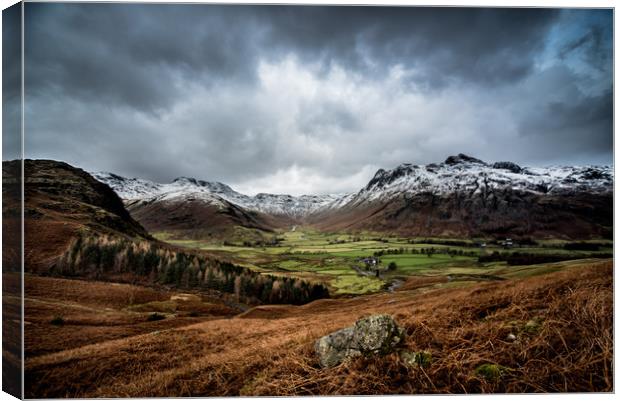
[374, 335]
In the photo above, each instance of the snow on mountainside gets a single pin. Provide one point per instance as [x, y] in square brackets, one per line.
[465, 174]
[213, 193]
[297, 206]
[461, 173]
[127, 188]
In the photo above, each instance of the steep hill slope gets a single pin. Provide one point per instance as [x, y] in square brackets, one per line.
[464, 196]
[196, 216]
[61, 202]
[190, 208]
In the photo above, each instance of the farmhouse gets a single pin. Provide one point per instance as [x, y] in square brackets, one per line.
[370, 261]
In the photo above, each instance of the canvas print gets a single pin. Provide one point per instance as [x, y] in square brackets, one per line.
[287, 200]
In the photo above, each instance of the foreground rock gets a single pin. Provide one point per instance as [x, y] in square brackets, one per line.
[374, 335]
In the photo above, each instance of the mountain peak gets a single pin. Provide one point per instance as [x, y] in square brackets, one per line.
[379, 173]
[215, 193]
[463, 158]
[214, 186]
[185, 180]
[515, 168]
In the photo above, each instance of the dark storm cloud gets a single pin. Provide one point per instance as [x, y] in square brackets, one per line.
[11, 48]
[594, 44]
[581, 124]
[128, 54]
[593, 37]
[11, 82]
[472, 44]
[136, 54]
[269, 94]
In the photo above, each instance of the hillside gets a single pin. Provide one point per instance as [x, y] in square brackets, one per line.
[192, 217]
[61, 202]
[562, 323]
[11, 216]
[189, 208]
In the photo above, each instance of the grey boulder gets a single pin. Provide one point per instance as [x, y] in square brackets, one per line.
[374, 335]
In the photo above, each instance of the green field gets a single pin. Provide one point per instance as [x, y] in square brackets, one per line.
[336, 258]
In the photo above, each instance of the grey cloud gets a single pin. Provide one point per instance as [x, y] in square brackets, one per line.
[575, 44]
[129, 54]
[474, 44]
[11, 82]
[135, 53]
[593, 41]
[570, 126]
[11, 49]
[592, 44]
[321, 118]
[160, 91]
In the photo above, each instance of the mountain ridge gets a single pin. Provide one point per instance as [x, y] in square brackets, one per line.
[459, 173]
[214, 193]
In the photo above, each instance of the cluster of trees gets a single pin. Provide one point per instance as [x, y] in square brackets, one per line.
[425, 251]
[447, 242]
[391, 251]
[101, 256]
[522, 258]
[352, 238]
[584, 246]
[274, 241]
[521, 241]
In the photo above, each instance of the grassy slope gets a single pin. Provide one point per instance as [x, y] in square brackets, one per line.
[268, 350]
[92, 312]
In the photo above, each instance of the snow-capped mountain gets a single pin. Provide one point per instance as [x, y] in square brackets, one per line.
[459, 174]
[464, 196]
[468, 175]
[214, 193]
[297, 206]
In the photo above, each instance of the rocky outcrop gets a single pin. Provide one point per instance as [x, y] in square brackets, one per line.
[374, 335]
[462, 158]
[510, 166]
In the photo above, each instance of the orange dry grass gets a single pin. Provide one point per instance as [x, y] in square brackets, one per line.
[94, 312]
[416, 282]
[97, 293]
[11, 333]
[269, 351]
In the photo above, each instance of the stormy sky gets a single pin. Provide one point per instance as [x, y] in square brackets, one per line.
[313, 99]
